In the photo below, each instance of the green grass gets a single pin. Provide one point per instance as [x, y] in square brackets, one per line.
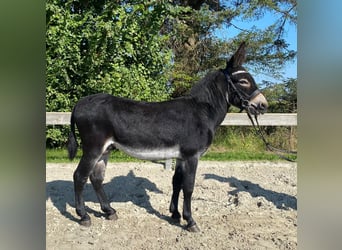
[61, 156]
[239, 156]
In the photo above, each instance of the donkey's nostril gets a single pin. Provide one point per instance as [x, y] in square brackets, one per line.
[262, 106]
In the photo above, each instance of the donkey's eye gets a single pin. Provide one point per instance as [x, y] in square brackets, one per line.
[244, 82]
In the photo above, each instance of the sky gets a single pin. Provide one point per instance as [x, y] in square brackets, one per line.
[290, 70]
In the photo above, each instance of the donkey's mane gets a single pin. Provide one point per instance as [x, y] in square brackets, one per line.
[208, 89]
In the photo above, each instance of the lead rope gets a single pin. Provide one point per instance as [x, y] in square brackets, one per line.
[267, 144]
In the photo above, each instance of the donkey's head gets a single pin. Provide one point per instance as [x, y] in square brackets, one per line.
[242, 89]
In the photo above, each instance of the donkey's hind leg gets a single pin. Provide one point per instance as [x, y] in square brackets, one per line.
[80, 176]
[96, 178]
[177, 186]
[189, 175]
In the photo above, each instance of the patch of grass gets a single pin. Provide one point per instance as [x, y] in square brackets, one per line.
[58, 155]
[239, 156]
[61, 156]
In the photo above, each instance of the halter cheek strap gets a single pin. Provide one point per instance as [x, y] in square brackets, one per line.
[251, 96]
[244, 98]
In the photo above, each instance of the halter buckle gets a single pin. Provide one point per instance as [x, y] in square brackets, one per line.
[244, 103]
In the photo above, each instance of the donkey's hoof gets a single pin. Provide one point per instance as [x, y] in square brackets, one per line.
[113, 216]
[176, 218]
[85, 223]
[194, 228]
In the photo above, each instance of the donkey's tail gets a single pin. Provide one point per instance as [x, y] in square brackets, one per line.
[72, 143]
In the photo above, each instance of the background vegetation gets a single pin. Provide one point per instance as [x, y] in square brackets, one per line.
[155, 50]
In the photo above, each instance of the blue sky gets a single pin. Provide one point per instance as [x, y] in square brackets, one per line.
[290, 70]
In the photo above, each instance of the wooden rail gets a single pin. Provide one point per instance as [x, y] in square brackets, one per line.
[231, 119]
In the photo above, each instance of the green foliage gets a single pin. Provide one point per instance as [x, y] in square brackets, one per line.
[282, 97]
[237, 138]
[109, 47]
[55, 136]
[104, 46]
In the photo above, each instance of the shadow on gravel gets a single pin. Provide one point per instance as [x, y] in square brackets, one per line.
[280, 200]
[129, 188]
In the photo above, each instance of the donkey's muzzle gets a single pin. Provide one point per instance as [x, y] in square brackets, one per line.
[258, 105]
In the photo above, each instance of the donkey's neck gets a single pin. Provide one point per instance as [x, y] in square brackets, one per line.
[220, 114]
[210, 94]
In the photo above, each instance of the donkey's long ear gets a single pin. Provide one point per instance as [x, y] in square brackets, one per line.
[238, 58]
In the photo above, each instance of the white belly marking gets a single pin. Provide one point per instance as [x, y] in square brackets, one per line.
[150, 154]
[145, 153]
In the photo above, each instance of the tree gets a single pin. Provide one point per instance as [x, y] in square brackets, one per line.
[104, 46]
[196, 49]
[282, 97]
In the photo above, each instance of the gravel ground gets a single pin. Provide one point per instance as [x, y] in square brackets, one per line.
[237, 205]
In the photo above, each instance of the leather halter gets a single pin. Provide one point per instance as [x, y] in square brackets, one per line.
[244, 97]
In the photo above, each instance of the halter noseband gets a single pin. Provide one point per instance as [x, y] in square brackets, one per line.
[244, 98]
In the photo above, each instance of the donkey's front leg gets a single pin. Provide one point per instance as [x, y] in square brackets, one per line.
[189, 175]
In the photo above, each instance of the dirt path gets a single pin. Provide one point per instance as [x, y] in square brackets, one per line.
[237, 205]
